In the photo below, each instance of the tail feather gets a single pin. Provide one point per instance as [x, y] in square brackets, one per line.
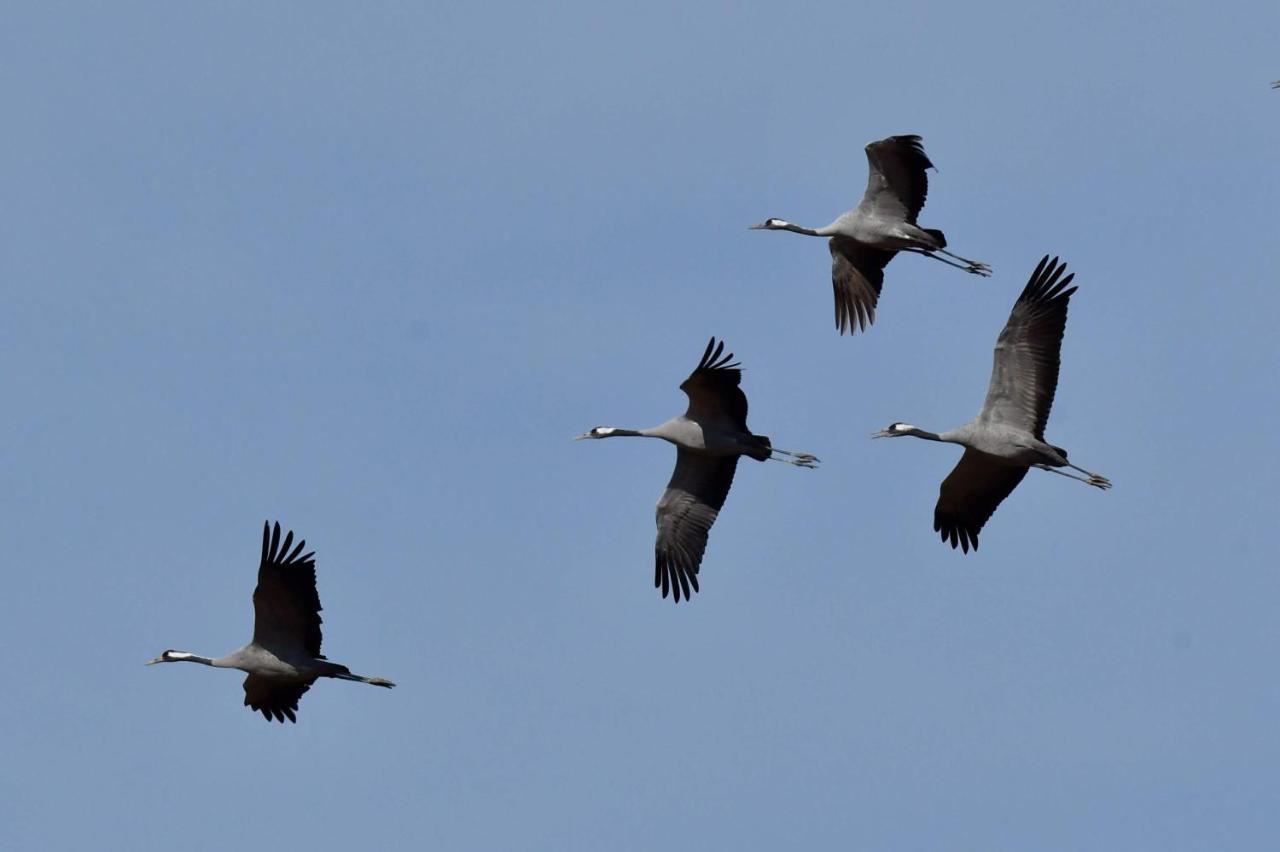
[763, 448]
[937, 235]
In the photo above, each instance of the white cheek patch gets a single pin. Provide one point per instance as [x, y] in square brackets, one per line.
[606, 430]
[902, 427]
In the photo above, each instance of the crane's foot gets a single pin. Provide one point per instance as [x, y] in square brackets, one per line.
[1097, 480]
[1093, 479]
[798, 459]
[975, 267]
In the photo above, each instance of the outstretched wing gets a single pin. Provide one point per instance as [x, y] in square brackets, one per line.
[1024, 373]
[857, 273]
[970, 494]
[286, 606]
[897, 182]
[272, 698]
[712, 388]
[686, 511]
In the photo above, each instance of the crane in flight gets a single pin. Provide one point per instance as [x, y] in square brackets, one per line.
[866, 238]
[710, 437]
[1006, 439]
[284, 658]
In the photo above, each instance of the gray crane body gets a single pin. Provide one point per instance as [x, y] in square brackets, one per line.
[871, 229]
[1005, 442]
[255, 659]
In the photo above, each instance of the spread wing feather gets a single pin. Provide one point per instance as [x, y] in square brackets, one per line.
[897, 180]
[272, 698]
[970, 494]
[686, 511]
[286, 605]
[857, 274]
[714, 395]
[1024, 372]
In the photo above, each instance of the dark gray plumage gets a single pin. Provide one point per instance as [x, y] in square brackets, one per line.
[865, 239]
[710, 437]
[1007, 437]
[284, 658]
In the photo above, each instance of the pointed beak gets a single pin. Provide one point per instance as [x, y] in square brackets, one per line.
[581, 437]
[883, 433]
[159, 659]
[759, 227]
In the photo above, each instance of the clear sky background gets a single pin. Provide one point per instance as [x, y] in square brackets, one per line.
[367, 269]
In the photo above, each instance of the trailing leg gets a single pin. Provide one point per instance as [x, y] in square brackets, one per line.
[1093, 479]
[973, 264]
[373, 681]
[974, 268]
[798, 459]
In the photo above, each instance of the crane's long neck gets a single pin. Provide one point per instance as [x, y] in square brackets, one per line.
[187, 657]
[798, 229]
[614, 432]
[916, 432]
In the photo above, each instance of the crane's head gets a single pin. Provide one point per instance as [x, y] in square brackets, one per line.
[895, 430]
[598, 432]
[771, 225]
[171, 656]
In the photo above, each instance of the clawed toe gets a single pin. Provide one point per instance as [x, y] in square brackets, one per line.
[797, 459]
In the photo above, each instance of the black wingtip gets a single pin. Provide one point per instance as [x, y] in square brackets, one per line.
[706, 355]
[957, 536]
[1048, 283]
[853, 317]
[913, 144]
[276, 552]
[714, 358]
[673, 580]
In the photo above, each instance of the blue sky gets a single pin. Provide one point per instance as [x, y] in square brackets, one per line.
[367, 270]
